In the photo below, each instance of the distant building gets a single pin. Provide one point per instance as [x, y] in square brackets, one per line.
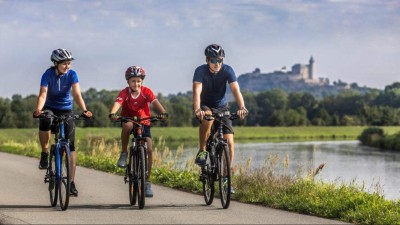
[299, 72]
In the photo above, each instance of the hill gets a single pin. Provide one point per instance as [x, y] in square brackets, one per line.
[301, 78]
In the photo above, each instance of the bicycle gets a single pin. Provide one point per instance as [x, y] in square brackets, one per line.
[217, 167]
[137, 169]
[58, 172]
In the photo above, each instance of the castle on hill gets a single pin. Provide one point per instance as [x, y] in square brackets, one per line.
[300, 72]
[301, 78]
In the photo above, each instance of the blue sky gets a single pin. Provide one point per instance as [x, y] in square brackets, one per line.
[354, 41]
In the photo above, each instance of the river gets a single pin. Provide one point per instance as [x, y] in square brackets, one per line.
[345, 161]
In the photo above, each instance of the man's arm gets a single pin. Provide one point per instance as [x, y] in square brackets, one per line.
[242, 111]
[197, 88]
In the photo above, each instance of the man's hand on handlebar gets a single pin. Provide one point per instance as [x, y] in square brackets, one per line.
[242, 112]
[199, 114]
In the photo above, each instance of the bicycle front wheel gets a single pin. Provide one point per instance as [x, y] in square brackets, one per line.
[224, 170]
[141, 172]
[208, 182]
[51, 177]
[130, 170]
[65, 182]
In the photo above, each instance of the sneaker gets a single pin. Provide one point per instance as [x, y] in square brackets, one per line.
[44, 160]
[201, 158]
[122, 159]
[73, 191]
[232, 189]
[148, 191]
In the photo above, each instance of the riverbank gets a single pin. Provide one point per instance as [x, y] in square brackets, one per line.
[98, 149]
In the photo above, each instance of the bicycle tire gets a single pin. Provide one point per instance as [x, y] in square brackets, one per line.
[65, 182]
[141, 178]
[224, 171]
[208, 183]
[51, 176]
[130, 170]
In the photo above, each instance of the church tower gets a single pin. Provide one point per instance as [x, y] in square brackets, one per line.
[311, 69]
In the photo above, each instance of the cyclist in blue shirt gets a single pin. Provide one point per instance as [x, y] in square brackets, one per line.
[55, 95]
[209, 87]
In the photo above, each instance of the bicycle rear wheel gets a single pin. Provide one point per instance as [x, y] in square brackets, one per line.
[51, 177]
[65, 182]
[130, 170]
[224, 170]
[141, 172]
[208, 183]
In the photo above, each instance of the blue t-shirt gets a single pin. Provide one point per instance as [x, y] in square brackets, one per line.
[58, 88]
[214, 85]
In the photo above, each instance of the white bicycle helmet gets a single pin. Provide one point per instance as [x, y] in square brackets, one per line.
[61, 55]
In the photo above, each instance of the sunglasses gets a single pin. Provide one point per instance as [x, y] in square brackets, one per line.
[216, 60]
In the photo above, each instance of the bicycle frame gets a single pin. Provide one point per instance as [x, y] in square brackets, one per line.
[137, 170]
[60, 141]
[217, 167]
[59, 183]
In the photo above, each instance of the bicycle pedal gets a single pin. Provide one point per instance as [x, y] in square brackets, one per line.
[125, 179]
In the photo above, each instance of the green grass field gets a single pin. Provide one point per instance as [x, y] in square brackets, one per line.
[177, 134]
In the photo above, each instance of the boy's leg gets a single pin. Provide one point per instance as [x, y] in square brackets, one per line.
[125, 133]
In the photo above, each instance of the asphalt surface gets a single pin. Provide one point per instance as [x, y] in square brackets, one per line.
[103, 199]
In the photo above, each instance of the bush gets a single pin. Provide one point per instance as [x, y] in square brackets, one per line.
[372, 136]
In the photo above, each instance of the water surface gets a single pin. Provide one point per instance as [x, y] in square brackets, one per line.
[345, 161]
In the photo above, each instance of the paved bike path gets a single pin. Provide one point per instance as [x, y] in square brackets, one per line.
[103, 199]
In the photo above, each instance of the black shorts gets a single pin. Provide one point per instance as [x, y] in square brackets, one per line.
[145, 132]
[228, 129]
[46, 124]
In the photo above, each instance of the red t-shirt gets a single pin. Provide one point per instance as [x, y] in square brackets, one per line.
[139, 106]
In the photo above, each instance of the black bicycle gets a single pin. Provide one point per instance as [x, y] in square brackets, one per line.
[58, 172]
[217, 168]
[137, 167]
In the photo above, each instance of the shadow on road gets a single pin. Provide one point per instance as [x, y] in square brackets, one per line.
[187, 207]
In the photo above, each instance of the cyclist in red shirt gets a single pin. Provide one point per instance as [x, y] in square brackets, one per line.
[135, 101]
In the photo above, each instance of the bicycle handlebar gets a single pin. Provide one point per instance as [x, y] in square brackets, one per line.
[229, 115]
[125, 119]
[47, 115]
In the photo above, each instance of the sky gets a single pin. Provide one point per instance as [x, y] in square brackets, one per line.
[352, 41]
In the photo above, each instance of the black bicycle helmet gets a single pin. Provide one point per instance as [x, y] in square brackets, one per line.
[214, 51]
[61, 55]
[135, 71]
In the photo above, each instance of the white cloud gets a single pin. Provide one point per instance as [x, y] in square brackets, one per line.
[74, 17]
